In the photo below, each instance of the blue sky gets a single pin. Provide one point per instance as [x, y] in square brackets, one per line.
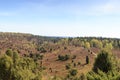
[61, 17]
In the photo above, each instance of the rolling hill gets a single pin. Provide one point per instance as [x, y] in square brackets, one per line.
[53, 47]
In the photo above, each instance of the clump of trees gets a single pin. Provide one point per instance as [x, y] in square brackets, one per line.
[104, 62]
[106, 67]
[90, 42]
[96, 43]
[14, 67]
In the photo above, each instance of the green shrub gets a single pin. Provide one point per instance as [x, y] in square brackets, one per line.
[79, 63]
[105, 67]
[68, 66]
[87, 60]
[9, 52]
[111, 75]
[63, 58]
[104, 61]
[82, 77]
[18, 68]
[73, 72]
[74, 64]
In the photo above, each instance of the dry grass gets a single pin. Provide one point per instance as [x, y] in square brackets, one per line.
[58, 67]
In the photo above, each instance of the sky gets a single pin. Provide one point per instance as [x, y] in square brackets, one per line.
[73, 18]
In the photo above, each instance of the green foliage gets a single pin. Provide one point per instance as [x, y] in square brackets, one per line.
[76, 42]
[9, 52]
[63, 58]
[96, 43]
[6, 64]
[18, 68]
[87, 60]
[72, 75]
[104, 61]
[105, 67]
[39, 56]
[82, 77]
[79, 63]
[111, 75]
[73, 72]
[68, 66]
[36, 57]
[87, 45]
[74, 64]
[108, 46]
[16, 57]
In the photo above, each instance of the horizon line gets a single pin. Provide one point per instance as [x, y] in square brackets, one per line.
[60, 36]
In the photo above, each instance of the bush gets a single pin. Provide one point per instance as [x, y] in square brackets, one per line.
[74, 64]
[72, 61]
[82, 77]
[105, 67]
[68, 66]
[79, 63]
[9, 52]
[87, 60]
[16, 68]
[73, 72]
[104, 62]
[63, 58]
[111, 75]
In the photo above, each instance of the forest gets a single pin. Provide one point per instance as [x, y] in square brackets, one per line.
[34, 57]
